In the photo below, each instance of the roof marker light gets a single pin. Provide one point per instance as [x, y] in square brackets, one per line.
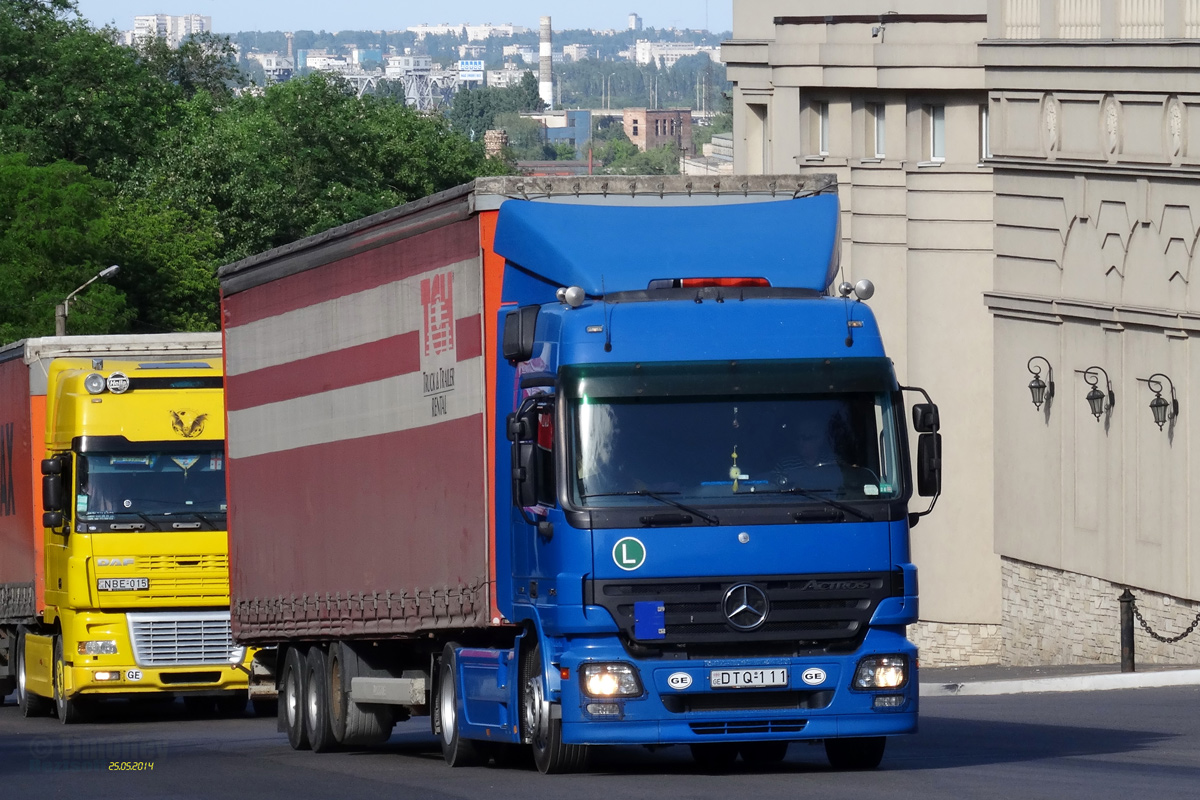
[695, 283]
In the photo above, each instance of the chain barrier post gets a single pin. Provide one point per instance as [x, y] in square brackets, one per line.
[1127, 631]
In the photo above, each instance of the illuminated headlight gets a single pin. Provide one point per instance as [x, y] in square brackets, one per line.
[94, 383]
[881, 672]
[107, 676]
[105, 647]
[610, 680]
[237, 655]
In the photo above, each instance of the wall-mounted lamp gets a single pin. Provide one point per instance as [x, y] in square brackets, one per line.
[1159, 407]
[1096, 397]
[1041, 390]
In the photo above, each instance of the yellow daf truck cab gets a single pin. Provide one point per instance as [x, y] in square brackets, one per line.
[135, 592]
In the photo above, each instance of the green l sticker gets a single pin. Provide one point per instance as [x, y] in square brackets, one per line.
[629, 553]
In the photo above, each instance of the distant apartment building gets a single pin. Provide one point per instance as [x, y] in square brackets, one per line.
[165, 26]
[525, 53]
[503, 78]
[635, 22]
[276, 68]
[649, 128]
[474, 33]
[579, 52]
[472, 51]
[400, 66]
[359, 56]
[665, 54]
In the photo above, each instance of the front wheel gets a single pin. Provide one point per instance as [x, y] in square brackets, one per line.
[70, 709]
[457, 751]
[541, 728]
[857, 753]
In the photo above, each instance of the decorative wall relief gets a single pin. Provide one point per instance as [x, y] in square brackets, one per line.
[1110, 128]
[1051, 141]
[1176, 130]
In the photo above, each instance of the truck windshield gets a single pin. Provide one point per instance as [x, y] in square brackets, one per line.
[151, 483]
[733, 434]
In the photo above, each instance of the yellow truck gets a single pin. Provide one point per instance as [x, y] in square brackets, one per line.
[114, 557]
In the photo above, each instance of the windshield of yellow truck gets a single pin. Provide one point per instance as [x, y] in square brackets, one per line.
[151, 482]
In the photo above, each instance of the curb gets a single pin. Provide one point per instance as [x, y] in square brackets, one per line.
[1071, 683]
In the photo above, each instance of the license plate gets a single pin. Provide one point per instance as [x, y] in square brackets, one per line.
[122, 584]
[747, 678]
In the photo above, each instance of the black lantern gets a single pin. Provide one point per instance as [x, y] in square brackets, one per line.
[1041, 390]
[1160, 407]
[1096, 398]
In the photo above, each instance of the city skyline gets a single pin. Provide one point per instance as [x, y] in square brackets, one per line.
[266, 15]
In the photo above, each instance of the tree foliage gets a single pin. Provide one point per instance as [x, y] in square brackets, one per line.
[474, 110]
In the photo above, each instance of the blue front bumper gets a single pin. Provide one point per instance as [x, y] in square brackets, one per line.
[808, 707]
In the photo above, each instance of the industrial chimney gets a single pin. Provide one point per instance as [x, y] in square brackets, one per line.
[546, 66]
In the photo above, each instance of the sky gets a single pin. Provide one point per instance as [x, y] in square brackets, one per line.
[230, 16]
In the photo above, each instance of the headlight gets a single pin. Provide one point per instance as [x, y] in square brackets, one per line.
[98, 648]
[94, 383]
[881, 672]
[237, 655]
[610, 680]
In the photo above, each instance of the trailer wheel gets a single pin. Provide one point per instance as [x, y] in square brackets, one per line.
[763, 753]
[291, 698]
[70, 709]
[457, 751]
[540, 727]
[316, 702]
[353, 724]
[31, 705]
[856, 753]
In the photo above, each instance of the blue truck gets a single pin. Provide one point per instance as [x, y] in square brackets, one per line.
[565, 463]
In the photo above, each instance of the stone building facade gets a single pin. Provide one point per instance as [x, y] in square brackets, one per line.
[1057, 216]
[649, 128]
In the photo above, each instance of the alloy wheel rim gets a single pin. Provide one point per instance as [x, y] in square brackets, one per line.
[447, 706]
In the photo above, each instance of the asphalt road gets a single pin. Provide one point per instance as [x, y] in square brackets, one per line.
[1137, 743]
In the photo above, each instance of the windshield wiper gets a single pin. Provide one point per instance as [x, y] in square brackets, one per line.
[812, 494]
[659, 496]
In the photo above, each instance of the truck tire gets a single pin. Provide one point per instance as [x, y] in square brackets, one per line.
[856, 753]
[715, 756]
[457, 751]
[291, 699]
[70, 710]
[31, 705]
[316, 702]
[540, 727]
[763, 753]
[353, 725]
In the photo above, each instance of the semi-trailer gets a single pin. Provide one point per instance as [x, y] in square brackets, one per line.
[572, 462]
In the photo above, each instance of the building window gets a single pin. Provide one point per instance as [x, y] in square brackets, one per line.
[823, 128]
[937, 133]
[876, 128]
[985, 140]
[635, 127]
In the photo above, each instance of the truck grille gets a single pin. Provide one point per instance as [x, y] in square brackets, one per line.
[810, 610]
[188, 638]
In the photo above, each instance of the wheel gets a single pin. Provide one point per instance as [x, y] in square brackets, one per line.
[457, 751]
[763, 753]
[265, 706]
[70, 709]
[540, 728]
[316, 702]
[31, 705]
[232, 704]
[353, 724]
[855, 753]
[291, 696]
[716, 756]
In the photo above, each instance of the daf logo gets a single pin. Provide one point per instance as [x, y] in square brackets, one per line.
[114, 562]
[745, 606]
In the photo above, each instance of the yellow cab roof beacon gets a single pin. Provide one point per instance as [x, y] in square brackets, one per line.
[114, 558]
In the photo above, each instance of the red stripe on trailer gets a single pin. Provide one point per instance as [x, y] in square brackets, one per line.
[340, 369]
[302, 543]
[356, 273]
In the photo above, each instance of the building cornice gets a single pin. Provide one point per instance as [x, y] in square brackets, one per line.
[1057, 310]
[876, 19]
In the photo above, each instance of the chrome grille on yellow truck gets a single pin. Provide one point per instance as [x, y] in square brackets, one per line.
[185, 638]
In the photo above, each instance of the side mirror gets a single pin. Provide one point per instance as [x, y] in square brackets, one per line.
[520, 328]
[925, 418]
[526, 470]
[531, 430]
[52, 494]
[929, 463]
[52, 519]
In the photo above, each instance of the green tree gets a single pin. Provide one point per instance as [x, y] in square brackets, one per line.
[203, 62]
[474, 110]
[305, 156]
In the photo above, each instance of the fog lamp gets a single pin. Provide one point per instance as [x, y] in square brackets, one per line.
[889, 700]
[107, 676]
[882, 672]
[98, 648]
[94, 383]
[610, 680]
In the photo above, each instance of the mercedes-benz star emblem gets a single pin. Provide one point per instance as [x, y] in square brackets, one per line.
[746, 606]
